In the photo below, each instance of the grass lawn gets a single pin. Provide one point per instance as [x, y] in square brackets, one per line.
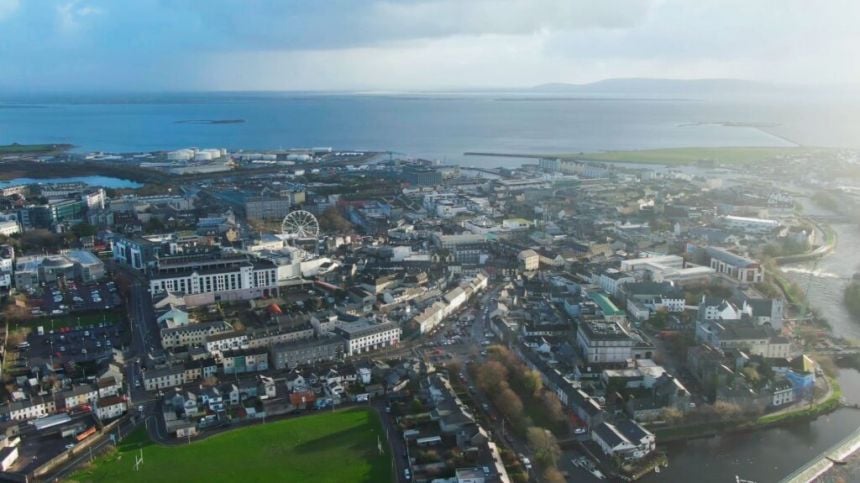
[325, 447]
[31, 148]
[692, 156]
[76, 320]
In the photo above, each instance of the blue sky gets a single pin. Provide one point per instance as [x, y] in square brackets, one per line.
[129, 45]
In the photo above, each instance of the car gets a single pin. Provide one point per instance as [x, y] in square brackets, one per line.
[70, 445]
[406, 474]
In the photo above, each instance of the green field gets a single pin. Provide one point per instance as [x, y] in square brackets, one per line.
[333, 447]
[75, 321]
[694, 156]
[31, 148]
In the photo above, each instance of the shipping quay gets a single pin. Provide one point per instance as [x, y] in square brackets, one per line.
[819, 465]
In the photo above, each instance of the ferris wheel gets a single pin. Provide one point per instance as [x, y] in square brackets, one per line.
[300, 224]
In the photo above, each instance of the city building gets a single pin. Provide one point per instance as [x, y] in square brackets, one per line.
[244, 360]
[604, 342]
[365, 336]
[735, 266]
[267, 208]
[306, 352]
[669, 268]
[421, 176]
[529, 260]
[34, 270]
[139, 253]
[192, 334]
[213, 276]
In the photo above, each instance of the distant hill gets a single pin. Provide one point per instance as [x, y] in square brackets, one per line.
[645, 87]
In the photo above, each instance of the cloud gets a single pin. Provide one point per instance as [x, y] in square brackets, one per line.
[70, 15]
[8, 8]
[343, 44]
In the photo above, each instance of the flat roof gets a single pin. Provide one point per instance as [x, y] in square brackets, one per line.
[606, 306]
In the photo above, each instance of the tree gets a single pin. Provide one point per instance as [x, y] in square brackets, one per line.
[505, 356]
[510, 405]
[553, 475]
[552, 406]
[331, 221]
[39, 240]
[530, 382]
[726, 410]
[544, 445]
[752, 375]
[417, 407]
[490, 375]
[154, 225]
[672, 415]
[84, 229]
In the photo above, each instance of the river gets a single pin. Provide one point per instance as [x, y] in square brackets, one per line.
[770, 455]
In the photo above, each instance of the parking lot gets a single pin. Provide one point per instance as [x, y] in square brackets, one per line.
[69, 344]
[74, 297]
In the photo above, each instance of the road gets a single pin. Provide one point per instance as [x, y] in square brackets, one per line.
[85, 455]
[470, 348]
[144, 334]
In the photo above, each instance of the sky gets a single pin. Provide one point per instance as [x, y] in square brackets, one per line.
[378, 45]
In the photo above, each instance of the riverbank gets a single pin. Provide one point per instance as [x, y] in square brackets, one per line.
[828, 403]
[852, 298]
[830, 240]
[20, 168]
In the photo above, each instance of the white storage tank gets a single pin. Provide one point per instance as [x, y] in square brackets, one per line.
[299, 157]
[203, 156]
[180, 155]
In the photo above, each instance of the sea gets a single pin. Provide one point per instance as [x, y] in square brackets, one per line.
[437, 126]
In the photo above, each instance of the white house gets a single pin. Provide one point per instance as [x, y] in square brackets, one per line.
[783, 393]
[612, 280]
[111, 407]
[529, 260]
[626, 439]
